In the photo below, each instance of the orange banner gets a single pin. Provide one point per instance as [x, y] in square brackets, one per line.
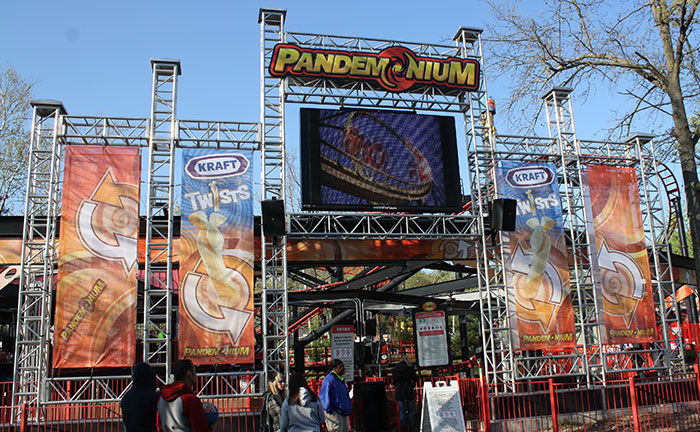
[95, 322]
[216, 249]
[622, 266]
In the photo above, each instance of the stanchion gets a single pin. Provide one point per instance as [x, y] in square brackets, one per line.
[485, 413]
[23, 418]
[633, 403]
[553, 403]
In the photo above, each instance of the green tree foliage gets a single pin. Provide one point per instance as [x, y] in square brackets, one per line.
[15, 94]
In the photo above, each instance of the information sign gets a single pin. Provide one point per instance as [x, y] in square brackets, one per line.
[343, 348]
[431, 338]
[442, 408]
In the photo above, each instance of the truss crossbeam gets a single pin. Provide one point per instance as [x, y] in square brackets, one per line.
[354, 226]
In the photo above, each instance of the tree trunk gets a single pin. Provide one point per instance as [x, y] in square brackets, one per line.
[686, 152]
[686, 144]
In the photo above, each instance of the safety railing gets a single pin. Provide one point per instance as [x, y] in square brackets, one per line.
[629, 404]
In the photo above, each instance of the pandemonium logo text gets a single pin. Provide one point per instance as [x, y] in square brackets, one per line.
[217, 166]
[529, 176]
[396, 68]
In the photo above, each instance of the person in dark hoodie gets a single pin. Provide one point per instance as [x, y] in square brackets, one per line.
[301, 411]
[140, 404]
[179, 409]
[405, 379]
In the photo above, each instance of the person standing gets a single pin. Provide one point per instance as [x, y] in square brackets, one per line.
[179, 409]
[272, 404]
[335, 398]
[405, 379]
[301, 411]
[140, 403]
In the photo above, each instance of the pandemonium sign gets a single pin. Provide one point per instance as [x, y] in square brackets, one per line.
[396, 68]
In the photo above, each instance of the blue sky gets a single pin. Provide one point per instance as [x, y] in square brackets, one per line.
[95, 56]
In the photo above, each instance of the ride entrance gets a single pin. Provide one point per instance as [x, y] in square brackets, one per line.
[580, 285]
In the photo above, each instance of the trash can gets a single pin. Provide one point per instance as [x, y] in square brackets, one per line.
[373, 406]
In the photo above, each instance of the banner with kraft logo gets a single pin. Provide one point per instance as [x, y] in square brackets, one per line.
[621, 263]
[95, 323]
[216, 252]
[537, 265]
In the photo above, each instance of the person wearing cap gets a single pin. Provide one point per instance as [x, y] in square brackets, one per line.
[140, 403]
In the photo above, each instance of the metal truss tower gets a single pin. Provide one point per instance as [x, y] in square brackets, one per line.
[163, 135]
[158, 279]
[591, 360]
[318, 91]
[39, 256]
[274, 249]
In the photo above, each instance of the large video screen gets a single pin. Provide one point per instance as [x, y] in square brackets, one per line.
[361, 160]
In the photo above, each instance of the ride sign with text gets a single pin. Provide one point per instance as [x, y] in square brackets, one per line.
[395, 68]
[621, 270]
[537, 269]
[216, 250]
[95, 322]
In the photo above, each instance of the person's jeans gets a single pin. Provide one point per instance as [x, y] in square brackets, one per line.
[406, 410]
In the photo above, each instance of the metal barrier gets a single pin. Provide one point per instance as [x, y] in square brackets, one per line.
[629, 404]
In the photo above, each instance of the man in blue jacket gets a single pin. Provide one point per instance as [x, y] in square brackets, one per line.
[335, 398]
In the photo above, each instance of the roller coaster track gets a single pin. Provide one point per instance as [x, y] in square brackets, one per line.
[672, 192]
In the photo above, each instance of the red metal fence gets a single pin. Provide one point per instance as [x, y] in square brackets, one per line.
[633, 404]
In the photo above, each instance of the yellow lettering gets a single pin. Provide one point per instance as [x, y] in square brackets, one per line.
[462, 76]
[359, 66]
[441, 71]
[375, 68]
[416, 70]
[341, 64]
[285, 57]
[324, 62]
[428, 70]
[305, 63]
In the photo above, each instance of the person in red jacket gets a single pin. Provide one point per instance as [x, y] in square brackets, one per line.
[179, 409]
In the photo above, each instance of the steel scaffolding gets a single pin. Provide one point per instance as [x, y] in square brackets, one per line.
[276, 92]
[39, 256]
[591, 360]
[163, 135]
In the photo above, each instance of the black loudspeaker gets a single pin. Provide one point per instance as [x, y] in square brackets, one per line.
[371, 327]
[503, 214]
[273, 218]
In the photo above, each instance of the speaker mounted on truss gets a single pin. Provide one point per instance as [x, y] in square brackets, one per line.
[274, 224]
[503, 214]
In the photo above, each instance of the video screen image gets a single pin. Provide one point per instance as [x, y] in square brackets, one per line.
[379, 160]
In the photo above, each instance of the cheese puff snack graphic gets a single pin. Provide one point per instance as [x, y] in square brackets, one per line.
[210, 244]
[541, 246]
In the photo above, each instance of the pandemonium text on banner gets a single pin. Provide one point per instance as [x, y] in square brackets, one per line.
[537, 268]
[621, 266]
[216, 250]
[95, 322]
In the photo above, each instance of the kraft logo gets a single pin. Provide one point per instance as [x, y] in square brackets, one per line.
[529, 176]
[217, 166]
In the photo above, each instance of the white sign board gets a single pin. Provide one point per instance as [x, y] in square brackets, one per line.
[431, 339]
[343, 348]
[442, 408]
